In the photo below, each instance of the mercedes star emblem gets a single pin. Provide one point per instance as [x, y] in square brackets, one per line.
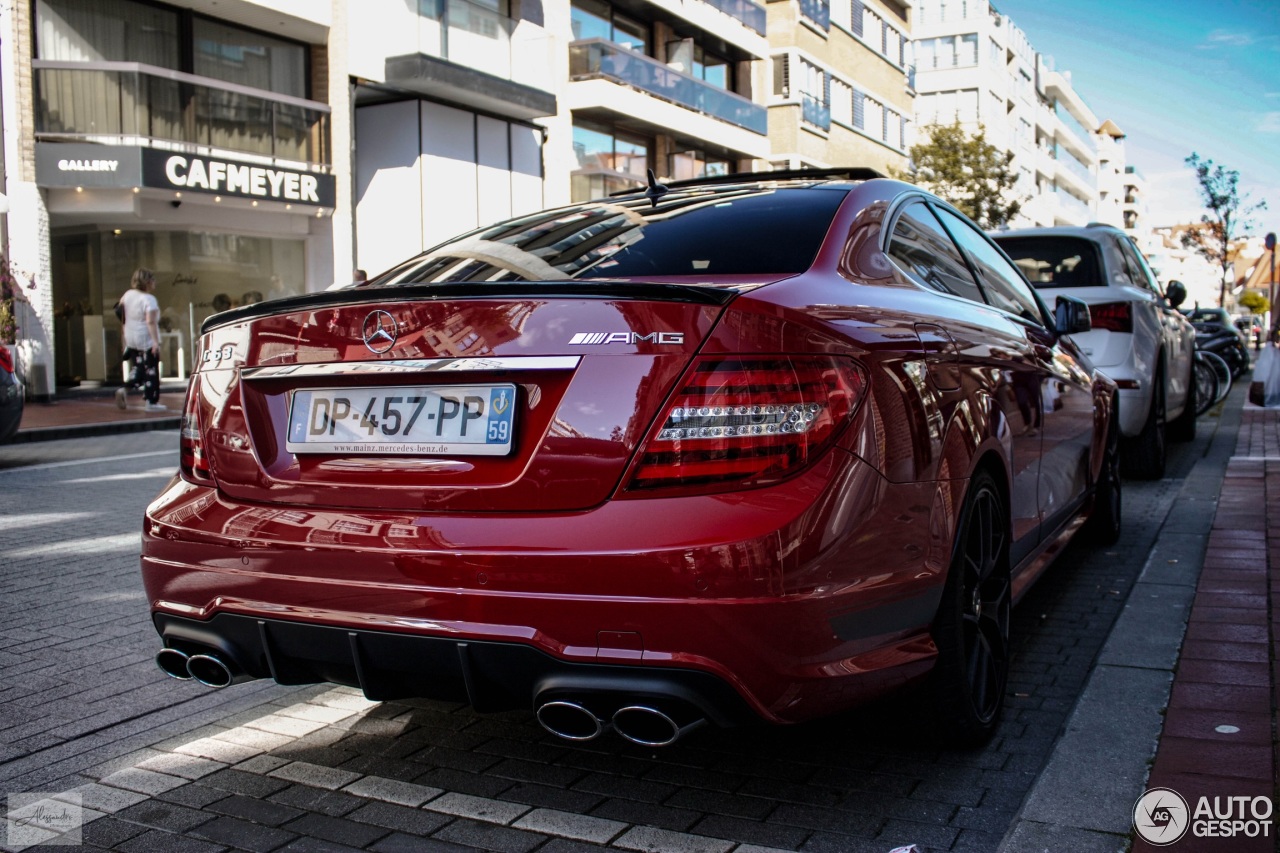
[379, 331]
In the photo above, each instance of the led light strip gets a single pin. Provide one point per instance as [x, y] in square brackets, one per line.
[709, 422]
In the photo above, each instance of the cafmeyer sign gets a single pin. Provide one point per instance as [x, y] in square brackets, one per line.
[117, 166]
[220, 176]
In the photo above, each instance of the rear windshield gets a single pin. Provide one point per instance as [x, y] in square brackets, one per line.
[726, 231]
[1055, 261]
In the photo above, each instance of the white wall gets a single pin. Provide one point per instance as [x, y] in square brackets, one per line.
[426, 172]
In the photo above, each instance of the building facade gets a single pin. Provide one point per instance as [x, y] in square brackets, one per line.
[842, 83]
[975, 66]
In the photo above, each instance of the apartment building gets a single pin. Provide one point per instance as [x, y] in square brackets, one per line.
[976, 66]
[192, 139]
[842, 89]
[249, 149]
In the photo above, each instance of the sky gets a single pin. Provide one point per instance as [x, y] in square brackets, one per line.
[1176, 76]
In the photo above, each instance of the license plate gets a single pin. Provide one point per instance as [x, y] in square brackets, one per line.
[457, 420]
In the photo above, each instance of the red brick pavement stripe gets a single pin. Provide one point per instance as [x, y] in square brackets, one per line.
[1219, 737]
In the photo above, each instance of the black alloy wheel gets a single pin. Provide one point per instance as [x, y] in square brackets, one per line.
[1103, 527]
[972, 627]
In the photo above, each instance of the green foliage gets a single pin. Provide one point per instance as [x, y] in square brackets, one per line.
[1255, 301]
[10, 295]
[966, 171]
[1230, 215]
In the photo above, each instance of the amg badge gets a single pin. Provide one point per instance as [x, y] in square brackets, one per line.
[664, 338]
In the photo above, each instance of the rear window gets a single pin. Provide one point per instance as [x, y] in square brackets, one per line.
[1055, 261]
[727, 231]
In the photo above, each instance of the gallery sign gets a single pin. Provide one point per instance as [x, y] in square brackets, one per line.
[119, 166]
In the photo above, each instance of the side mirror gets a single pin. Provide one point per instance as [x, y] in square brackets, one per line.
[1176, 292]
[1071, 316]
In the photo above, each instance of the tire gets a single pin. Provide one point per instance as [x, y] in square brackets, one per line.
[1220, 366]
[1183, 427]
[971, 630]
[1206, 379]
[1103, 526]
[1144, 454]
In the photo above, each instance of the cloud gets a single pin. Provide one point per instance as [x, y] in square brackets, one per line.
[1227, 38]
[1269, 122]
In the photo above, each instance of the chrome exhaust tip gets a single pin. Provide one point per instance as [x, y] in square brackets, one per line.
[570, 721]
[209, 671]
[647, 726]
[173, 663]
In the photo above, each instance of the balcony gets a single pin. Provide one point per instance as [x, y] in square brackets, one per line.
[815, 112]
[751, 15]
[817, 12]
[601, 59]
[125, 102]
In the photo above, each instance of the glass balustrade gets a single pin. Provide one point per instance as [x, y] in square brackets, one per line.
[485, 40]
[122, 101]
[598, 58]
[816, 112]
[750, 14]
[818, 12]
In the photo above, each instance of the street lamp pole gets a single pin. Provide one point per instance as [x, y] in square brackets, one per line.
[1270, 242]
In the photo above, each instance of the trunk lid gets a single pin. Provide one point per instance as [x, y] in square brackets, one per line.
[576, 372]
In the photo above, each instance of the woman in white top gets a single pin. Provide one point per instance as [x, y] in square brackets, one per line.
[142, 339]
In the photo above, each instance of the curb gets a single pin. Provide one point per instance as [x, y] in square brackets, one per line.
[1083, 796]
[55, 433]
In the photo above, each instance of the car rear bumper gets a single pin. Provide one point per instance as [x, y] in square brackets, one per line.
[783, 603]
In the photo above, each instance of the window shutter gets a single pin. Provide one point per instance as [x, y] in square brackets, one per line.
[859, 109]
[782, 76]
[857, 18]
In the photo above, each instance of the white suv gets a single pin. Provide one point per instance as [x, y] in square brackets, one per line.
[1138, 338]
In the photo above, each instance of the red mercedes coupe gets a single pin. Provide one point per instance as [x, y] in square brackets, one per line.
[720, 451]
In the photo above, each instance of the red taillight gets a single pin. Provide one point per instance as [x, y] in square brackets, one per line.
[6, 360]
[748, 421]
[1112, 316]
[192, 461]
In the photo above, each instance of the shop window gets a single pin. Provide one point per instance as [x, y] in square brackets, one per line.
[106, 31]
[226, 52]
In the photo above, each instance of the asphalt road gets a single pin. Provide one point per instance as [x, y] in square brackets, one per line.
[167, 765]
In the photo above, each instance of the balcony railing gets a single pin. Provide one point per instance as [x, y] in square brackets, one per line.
[817, 12]
[476, 37]
[750, 14]
[599, 58]
[815, 112]
[123, 101]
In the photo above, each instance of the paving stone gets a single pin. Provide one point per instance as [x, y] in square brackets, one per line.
[195, 796]
[103, 798]
[218, 750]
[401, 818]
[143, 781]
[331, 803]
[156, 841]
[314, 775]
[398, 842]
[256, 810]
[488, 836]
[249, 784]
[280, 725]
[392, 791]
[186, 766]
[336, 829]
[167, 816]
[476, 808]
[569, 825]
[650, 840]
[243, 835]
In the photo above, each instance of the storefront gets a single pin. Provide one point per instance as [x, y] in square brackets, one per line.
[218, 233]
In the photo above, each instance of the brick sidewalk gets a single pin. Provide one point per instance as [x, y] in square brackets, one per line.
[1219, 737]
[94, 412]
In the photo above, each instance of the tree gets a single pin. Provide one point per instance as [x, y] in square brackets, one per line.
[1230, 216]
[966, 171]
[1255, 301]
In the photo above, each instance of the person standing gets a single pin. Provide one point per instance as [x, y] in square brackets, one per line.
[142, 340]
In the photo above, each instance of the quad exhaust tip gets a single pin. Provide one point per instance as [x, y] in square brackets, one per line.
[648, 726]
[173, 663]
[205, 669]
[570, 721]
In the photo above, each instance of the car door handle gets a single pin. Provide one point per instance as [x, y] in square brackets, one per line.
[1042, 352]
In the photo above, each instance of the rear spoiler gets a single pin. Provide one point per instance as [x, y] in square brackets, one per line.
[377, 295]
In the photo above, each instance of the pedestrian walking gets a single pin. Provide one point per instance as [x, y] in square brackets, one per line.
[141, 340]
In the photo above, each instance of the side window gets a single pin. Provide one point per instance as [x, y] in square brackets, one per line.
[1120, 270]
[1004, 285]
[926, 253]
[1141, 270]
